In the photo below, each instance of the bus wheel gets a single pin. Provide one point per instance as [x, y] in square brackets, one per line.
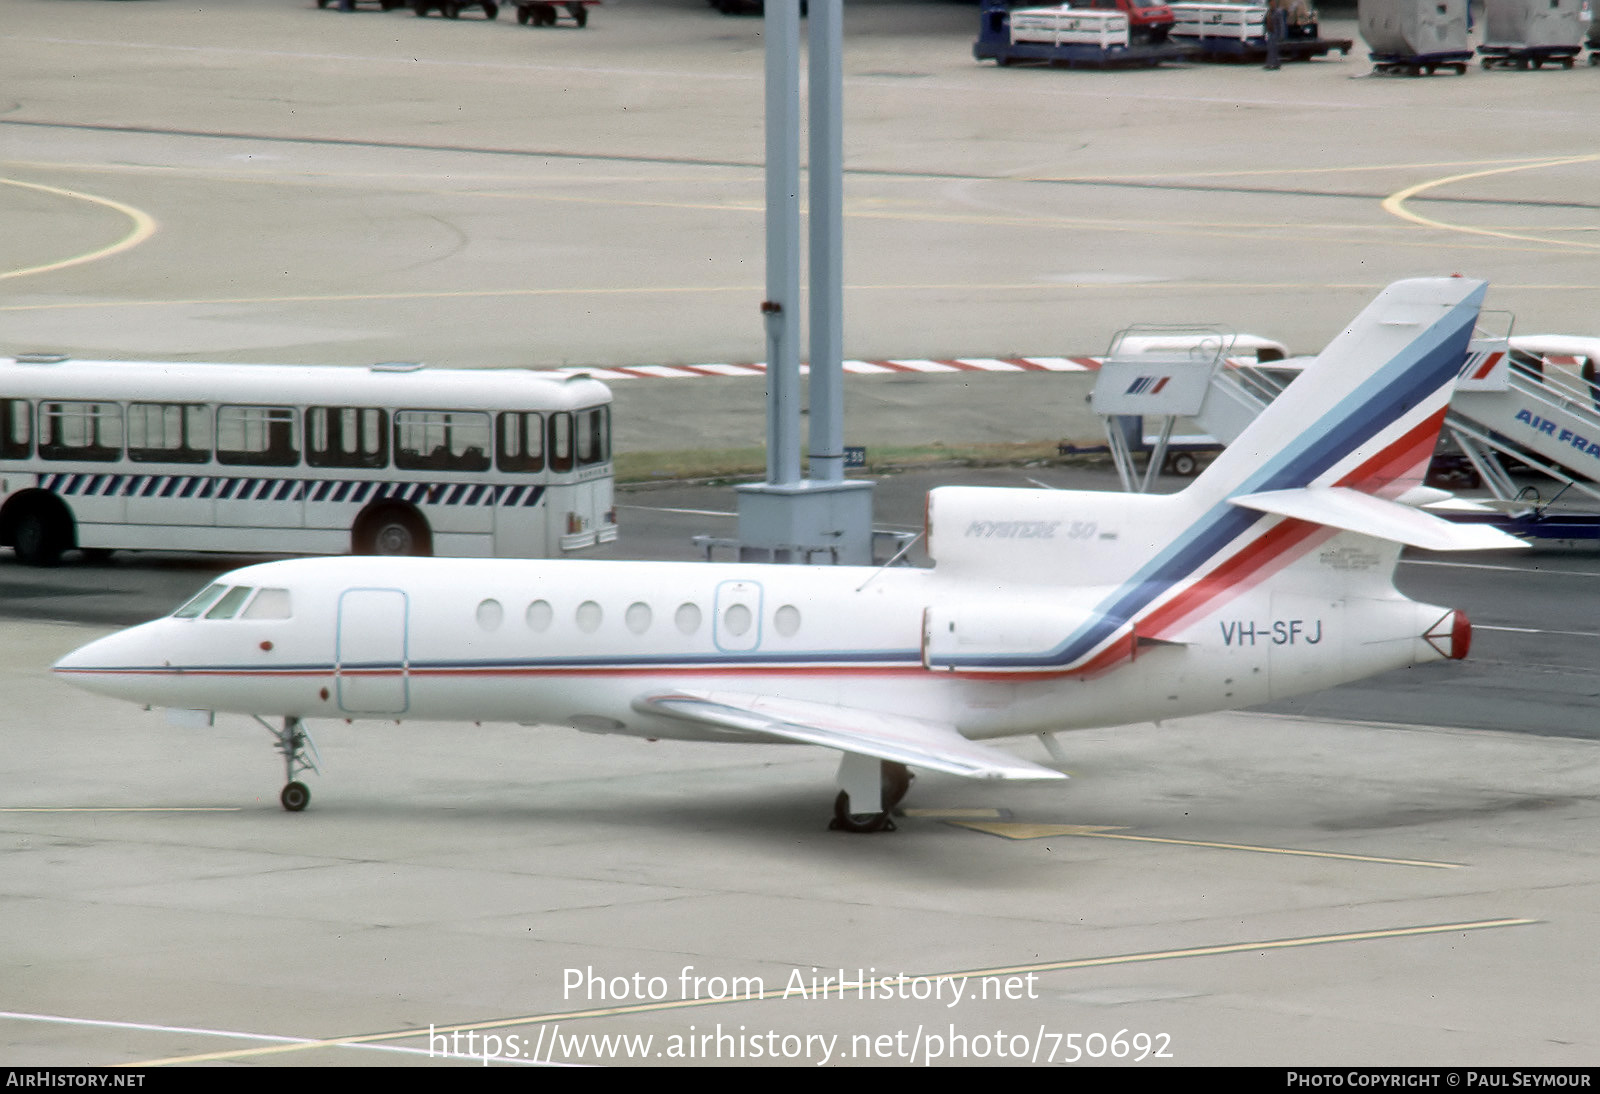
[393, 532]
[39, 537]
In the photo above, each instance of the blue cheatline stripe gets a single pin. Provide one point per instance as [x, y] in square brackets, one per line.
[332, 491]
[890, 658]
[1408, 379]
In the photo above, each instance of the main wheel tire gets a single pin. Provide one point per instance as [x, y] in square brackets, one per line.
[896, 783]
[846, 821]
[295, 797]
[38, 537]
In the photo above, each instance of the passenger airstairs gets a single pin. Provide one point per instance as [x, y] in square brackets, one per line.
[1524, 402]
[1534, 401]
[1154, 379]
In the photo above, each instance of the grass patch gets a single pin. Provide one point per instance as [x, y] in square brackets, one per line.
[733, 463]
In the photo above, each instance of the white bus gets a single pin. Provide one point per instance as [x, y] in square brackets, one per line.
[391, 459]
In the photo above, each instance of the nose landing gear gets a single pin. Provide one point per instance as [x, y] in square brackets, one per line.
[292, 741]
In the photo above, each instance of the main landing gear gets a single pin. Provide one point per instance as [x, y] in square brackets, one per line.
[857, 792]
[292, 741]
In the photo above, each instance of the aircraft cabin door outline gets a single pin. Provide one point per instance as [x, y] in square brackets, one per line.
[372, 660]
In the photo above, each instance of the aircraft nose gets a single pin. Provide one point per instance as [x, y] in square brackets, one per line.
[101, 664]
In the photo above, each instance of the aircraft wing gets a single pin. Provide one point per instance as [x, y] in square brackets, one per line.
[886, 736]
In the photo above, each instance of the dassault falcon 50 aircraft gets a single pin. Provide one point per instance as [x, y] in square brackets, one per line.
[1270, 575]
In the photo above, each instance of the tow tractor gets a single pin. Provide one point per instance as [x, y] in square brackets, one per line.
[1074, 37]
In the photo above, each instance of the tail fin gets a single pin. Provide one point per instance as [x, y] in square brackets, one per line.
[1366, 416]
[1332, 453]
[1357, 429]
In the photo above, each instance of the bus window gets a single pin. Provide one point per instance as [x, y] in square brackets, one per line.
[80, 431]
[441, 440]
[346, 436]
[521, 445]
[561, 442]
[168, 433]
[257, 436]
[594, 436]
[16, 438]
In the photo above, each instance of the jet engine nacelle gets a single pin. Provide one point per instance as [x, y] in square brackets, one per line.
[1056, 537]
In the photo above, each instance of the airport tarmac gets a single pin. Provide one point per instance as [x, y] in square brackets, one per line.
[1258, 888]
[1233, 889]
[266, 181]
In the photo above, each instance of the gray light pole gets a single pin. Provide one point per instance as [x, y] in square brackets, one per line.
[781, 309]
[827, 242]
[822, 517]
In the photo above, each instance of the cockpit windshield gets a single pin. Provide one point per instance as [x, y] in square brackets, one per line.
[221, 601]
[200, 602]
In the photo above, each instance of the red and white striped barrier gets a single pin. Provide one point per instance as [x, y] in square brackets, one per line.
[858, 368]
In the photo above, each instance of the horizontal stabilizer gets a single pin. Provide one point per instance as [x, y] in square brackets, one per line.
[1353, 511]
[887, 736]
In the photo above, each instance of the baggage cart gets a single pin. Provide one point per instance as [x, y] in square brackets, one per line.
[1070, 37]
[1238, 32]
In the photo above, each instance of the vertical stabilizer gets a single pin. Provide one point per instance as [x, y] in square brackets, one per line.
[1367, 414]
[1364, 418]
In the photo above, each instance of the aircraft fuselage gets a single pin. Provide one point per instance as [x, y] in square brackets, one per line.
[575, 642]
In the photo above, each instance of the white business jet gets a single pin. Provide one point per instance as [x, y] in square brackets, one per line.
[1269, 576]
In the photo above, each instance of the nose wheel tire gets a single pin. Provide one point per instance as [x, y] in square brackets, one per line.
[295, 797]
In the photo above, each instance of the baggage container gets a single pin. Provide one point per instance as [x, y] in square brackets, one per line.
[1417, 30]
[1532, 23]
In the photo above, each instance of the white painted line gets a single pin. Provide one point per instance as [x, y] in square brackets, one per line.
[240, 1035]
